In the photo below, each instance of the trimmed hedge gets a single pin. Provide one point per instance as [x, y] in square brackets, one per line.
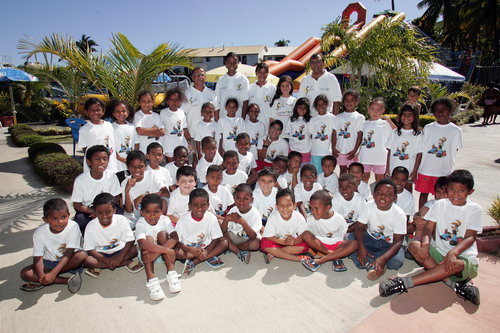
[53, 130]
[58, 169]
[423, 119]
[44, 148]
[24, 136]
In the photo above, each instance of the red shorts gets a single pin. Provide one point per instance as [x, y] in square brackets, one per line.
[331, 247]
[262, 164]
[425, 184]
[266, 243]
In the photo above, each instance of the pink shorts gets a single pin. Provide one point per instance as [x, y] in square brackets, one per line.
[425, 184]
[266, 243]
[342, 160]
[306, 157]
[377, 169]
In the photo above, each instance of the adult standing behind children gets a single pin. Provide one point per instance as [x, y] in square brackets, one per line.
[232, 85]
[321, 82]
[261, 92]
[196, 95]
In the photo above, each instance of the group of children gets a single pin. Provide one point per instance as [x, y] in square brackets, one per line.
[264, 186]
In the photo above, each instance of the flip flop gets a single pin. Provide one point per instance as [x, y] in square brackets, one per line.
[267, 257]
[135, 267]
[310, 264]
[93, 272]
[214, 262]
[188, 267]
[373, 275]
[338, 265]
[31, 286]
[75, 283]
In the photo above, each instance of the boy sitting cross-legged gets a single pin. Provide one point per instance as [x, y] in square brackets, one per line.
[56, 250]
[448, 249]
[200, 236]
[109, 240]
[325, 233]
[156, 237]
[242, 224]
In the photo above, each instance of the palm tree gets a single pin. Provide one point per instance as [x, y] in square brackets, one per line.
[282, 42]
[122, 72]
[86, 44]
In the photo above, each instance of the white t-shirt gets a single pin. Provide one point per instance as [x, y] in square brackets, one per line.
[52, 246]
[277, 227]
[406, 202]
[321, 127]
[220, 200]
[151, 183]
[125, 139]
[102, 134]
[257, 132]
[178, 204]
[253, 219]
[439, 149]
[373, 146]
[192, 106]
[204, 129]
[235, 86]
[230, 128]
[328, 231]
[144, 229]
[203, 164]
[264, 204]
[282, 108]
[172, 169]
[278, 147]
[302, 195]
[175, 122]
[198, 233]
[347, 126]
[143, 120]
[86, 188]
[327, 84]
[289, 177]
[110, 239]
[262, 97]
[404, 149]
[383, 224]
[231, 181]
[348, 209]
[330, 183]
[163, 174]
[247, 162]
[364, 190]
[299, 134]
[452, 222]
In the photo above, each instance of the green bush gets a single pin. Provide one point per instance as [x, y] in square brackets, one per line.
[467, 117]
[58, 169]
[19, 127]
[27, 140]
[494, 210]
[44, 148]
[53, 130]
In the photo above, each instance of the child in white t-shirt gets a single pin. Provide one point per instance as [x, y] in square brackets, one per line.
[328, 178]
[405, 199]
[109, 240]
[232, 85]
[347, 202]
[448, 249]
[273, 145]
[306, 188]
[230, 126]
[255, 128]
[56, 250]
[246, 158]
[380, 231]
[97, 132]
[280, 164]
[181, 155]
[376, 131]
[260, 93]
[200, 236]
[242, 224]
[220, 196]
[357, 170]
[156, 237]
[322, 126]
[325, 234]
[148, 124]
[178, 204]
[155, 158]
[232, 176]
[175, 123]
[292, 174]
[89, 184]
[124, 132]
[210, 156]
[208, 127]
[298, 129]
[283, 102]
[264, 197]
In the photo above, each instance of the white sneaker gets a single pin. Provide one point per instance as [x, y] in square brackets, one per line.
[155, 291]
[174, 285]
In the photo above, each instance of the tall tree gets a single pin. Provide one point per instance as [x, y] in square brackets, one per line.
[86, 44]
[282, 42]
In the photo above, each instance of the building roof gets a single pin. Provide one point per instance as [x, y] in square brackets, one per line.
[222, 51]
[278, 51]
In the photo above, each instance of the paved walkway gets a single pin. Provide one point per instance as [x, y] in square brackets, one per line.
[278, 297]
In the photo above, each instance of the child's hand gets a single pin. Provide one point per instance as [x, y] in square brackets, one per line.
[419, 222]
[148, 256]
[351, 155]
[114, 262]
[203, 255]
[335, 152]
[379, 266]
[266, 141]
[234, 217]
[289, 240]
[170, 253]
[451, 263]
[130, 183]
[195, 251]
[48, 278]
[362, 255]
[413, 176]
[385, 117]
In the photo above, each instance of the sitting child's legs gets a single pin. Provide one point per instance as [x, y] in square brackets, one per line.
[28, 273]
[236, 243]
[377, 247]
[284, 252]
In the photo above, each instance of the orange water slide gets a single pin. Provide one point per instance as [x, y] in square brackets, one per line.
[292, 62]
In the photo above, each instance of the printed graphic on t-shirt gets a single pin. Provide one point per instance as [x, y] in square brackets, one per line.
[379, 234]
[106, 144]
[200, 240]
[219, 210]
[438, 149]
[321, 135]
[125, 146]
[349, 217]
[270, 155]
[112, 245]
[300, 133]
[266, 215]
[344, 131]
[451, 235]
[401, 152]
[255, 140]
[367, 142]
[232, 134]
[61, 249]
[176, 130]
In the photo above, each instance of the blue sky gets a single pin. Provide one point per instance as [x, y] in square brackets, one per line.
[189, 23]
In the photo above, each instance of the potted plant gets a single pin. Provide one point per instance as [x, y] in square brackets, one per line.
[6, 116]
[489, 239]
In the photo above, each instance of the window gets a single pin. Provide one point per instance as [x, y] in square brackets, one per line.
[244, 60]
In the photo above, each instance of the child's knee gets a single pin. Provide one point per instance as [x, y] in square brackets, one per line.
[414, 246]
[25, 272]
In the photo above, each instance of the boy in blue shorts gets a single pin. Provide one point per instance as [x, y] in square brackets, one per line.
[448, 249]
[56, 250]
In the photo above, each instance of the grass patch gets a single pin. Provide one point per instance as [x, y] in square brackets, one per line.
[58, 138]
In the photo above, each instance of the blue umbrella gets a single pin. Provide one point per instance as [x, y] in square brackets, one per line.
[10, 75]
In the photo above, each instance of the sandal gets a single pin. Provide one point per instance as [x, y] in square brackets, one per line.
[188, 267]
[31, 286]
[75, 283]
[214, 262]
[135, 267]
[310, 264]
[93, 272]
[244, 256]
[338, 266]
[373, 275]
[267, 257]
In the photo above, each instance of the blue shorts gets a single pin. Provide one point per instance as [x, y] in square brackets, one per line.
[378, 247]
[50, 265]
[109, 255]
[316, 161]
